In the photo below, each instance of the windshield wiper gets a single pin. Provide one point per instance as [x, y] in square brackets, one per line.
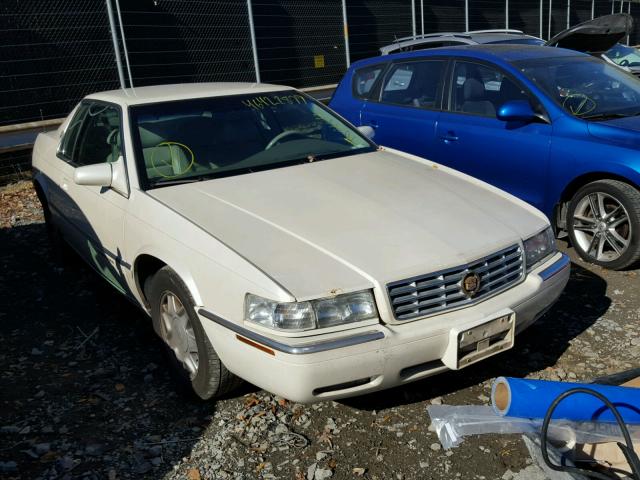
[607, 116]
[166, 183]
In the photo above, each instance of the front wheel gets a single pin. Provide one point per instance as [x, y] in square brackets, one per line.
[604, 224]
[194, 363]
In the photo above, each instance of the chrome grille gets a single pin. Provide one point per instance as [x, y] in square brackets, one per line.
[440, 291]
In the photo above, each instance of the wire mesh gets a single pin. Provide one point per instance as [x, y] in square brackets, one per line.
[375, 23]
[300, 43]
[486, 14]
[183, 41]
[53, 53]
[441, 15]
[525, 15]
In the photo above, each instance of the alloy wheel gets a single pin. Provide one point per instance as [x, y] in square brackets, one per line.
[602, 227]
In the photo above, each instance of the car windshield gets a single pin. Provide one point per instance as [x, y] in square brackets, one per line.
[624, 56]
[196, 139]
[586, 87]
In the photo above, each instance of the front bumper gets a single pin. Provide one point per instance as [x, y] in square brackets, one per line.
[375, 357]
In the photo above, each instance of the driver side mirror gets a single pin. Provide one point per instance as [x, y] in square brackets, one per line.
[367, 131]
[517, 111]
[98, 175]
[107, 175]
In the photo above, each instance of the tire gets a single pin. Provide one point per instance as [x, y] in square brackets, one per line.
[211, 379]
[611, 238]
[62, 252]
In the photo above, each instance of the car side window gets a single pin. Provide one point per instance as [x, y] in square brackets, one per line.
[93, 136]
[482, 90]
[415, 84]
[364, 80]
[70, 138]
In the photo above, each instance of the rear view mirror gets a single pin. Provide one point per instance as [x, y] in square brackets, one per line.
[516, 111]
[98, 175]
[367, 131]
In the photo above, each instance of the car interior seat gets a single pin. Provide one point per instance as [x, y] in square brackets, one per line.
[510, 91]
[162, 159]
[475, 101]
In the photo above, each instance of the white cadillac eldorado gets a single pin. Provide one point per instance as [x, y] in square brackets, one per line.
[270, 240]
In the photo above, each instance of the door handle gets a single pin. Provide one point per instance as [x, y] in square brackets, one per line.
[449, 137]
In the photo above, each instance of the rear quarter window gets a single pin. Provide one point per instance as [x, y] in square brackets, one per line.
[364, 79]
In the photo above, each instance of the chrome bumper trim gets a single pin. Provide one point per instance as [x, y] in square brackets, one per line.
[556, 268]
[304, 349]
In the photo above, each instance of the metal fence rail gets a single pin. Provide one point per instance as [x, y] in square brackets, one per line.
[53, 53]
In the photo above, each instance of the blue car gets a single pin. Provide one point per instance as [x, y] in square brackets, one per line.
[557, 128]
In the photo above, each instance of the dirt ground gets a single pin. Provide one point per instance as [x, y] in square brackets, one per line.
[85, 392]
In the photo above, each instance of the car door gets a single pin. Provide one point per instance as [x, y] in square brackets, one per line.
[513, 156]
[92, 217]
[350, 101]
[408, 105]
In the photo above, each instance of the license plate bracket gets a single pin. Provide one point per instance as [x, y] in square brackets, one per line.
[472, 344]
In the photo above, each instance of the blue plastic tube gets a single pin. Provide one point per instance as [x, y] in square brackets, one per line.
[519, 397]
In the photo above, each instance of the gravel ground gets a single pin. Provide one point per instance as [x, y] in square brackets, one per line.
[85, 392]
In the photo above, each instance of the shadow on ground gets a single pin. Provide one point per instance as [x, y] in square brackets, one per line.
[85, 387]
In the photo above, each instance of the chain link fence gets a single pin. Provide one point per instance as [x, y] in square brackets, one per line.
[58, 51]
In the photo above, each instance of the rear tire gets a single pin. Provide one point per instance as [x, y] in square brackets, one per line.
[62, 252]
[194, 363]
[604, 224]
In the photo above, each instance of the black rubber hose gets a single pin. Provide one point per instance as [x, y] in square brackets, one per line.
[627, 449]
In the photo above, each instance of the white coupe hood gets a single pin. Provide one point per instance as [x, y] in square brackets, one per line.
[349, 223]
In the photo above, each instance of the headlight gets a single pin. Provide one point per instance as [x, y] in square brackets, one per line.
[322, 313]
[539, 247]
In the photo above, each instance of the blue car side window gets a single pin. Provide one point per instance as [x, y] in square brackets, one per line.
[482, 90]
[414, 84]
[364, 80]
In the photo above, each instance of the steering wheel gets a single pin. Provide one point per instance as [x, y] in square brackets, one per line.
[579, 104]
[624, 62]
[112, 137]
[278, 138]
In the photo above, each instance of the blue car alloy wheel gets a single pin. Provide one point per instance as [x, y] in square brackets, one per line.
[605, 223]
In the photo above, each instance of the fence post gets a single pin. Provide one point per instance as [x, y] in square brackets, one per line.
[254, 47]
[413, 17]
[629, 12]
[506, 14]
[116, 48]
[124, 44]
[550, 14]
[541, 18]
[466, 15]
[345, 31]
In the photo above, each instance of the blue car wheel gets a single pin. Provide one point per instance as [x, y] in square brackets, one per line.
[604, 224]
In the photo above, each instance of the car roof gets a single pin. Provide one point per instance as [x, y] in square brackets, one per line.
[493, 52]
[488, 37]
[183, 91]
[478, 36]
